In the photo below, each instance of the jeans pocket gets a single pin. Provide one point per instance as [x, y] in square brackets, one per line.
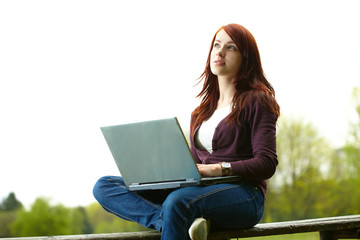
[257, 201]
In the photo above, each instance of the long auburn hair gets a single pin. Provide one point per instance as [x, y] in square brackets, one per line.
[250, 83]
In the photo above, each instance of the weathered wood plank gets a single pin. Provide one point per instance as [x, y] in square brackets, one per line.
[151, 235]
[290, 227]
[329, 228]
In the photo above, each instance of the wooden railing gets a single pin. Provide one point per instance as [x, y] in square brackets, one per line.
[345, 227]
[333, 228]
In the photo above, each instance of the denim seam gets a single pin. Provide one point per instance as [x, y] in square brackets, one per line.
[129, 219]
[147, 201]
[120, 215]
[188, 206]
[260, 210]
[117, 214]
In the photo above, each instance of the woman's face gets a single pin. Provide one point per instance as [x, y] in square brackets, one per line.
[225, 58]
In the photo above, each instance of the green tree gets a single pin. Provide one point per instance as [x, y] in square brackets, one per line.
[42, 220]
[8, 208]
[10, 203]
[352, 146]
[104, 222]
[80, 223]
[351, 160]
[6, 219]
[304, 157]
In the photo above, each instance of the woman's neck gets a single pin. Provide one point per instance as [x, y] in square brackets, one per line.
[227, 91]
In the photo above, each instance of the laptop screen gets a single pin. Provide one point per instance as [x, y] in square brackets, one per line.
[152, 151]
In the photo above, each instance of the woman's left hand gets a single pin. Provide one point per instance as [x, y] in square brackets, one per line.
[210, 170]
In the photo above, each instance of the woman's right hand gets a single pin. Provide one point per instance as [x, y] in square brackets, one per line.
[210, 170]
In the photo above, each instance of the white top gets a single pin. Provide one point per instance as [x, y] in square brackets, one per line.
[204, 135]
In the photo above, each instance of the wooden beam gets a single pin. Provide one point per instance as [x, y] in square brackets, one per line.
[332, 228]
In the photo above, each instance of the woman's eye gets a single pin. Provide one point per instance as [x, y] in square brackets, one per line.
[216, 45]
[232, 47]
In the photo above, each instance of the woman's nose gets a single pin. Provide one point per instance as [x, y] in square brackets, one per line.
[220, 52]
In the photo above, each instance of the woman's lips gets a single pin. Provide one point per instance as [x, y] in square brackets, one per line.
[219, 62]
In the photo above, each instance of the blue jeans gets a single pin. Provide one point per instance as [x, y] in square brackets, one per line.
[172, 212]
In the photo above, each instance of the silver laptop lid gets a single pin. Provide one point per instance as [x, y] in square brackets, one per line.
[152, 151]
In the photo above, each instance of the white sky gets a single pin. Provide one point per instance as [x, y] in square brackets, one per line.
[68, 67]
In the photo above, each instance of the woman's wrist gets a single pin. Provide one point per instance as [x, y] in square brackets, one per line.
[225, 168]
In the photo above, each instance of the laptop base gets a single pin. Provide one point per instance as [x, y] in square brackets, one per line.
[183, 183]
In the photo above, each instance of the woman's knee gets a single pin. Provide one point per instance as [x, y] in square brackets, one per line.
[179, 203]
[98, 187]
[176, 198]
[103, 186]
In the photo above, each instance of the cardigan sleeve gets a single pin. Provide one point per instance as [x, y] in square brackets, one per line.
[262, 124]
[192, 143]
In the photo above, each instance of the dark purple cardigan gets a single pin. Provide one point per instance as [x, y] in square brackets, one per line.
[249, 147]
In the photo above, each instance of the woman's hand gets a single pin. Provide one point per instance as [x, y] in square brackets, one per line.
[210, 170]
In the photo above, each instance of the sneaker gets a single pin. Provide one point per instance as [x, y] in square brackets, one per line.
[199, 229]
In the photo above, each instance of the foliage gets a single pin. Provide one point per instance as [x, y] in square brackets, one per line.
[104, 222]
[297, 236]
[301, 151]
[302, 154]
[352, 148]
[79, 221]
[42, 219]
[6, 218]
[313, 179]
[8, 207]
[10, 203]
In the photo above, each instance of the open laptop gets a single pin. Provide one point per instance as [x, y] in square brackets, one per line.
[154, 155]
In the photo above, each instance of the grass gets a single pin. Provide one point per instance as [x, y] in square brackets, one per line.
[298, 236]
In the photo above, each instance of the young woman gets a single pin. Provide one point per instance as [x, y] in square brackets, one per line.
[233, 132]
